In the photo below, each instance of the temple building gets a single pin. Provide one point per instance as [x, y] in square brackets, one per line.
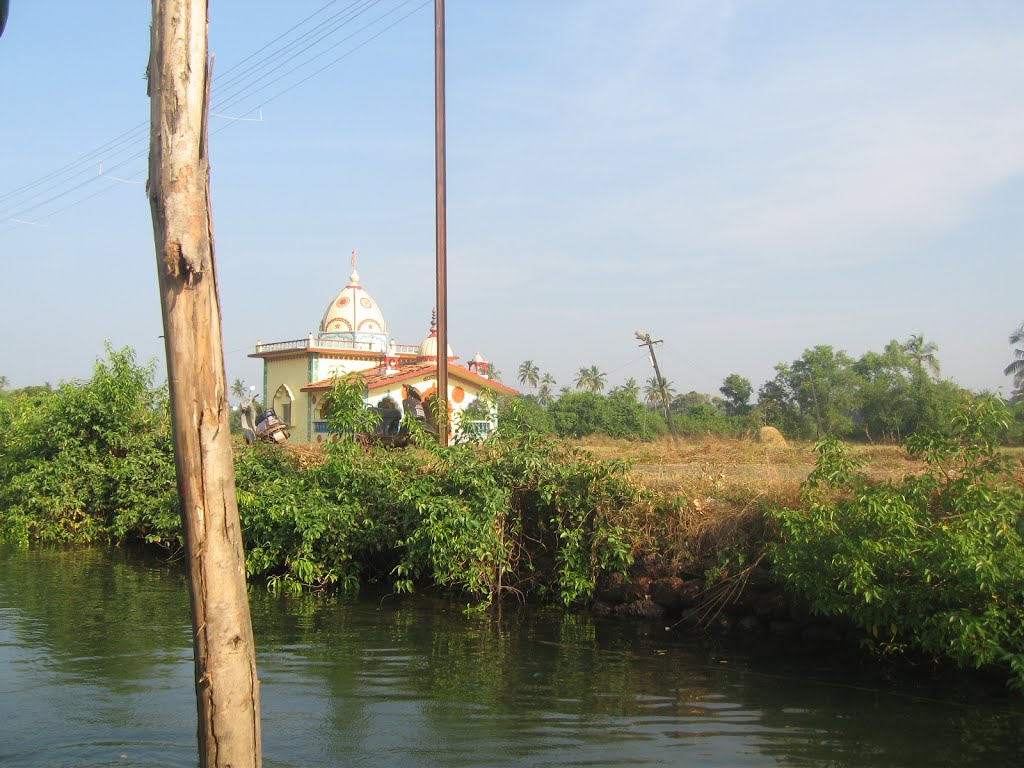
[353, 338]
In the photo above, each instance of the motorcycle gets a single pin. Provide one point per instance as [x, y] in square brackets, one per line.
[269, 429]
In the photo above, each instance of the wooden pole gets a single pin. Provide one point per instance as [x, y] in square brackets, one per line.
[441, 227]
[646, 341]
[227, 688]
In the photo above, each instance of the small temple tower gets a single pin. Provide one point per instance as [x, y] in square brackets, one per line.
[353, 338]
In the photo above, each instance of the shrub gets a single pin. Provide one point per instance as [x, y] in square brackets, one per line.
[91, 461]
[934, 562]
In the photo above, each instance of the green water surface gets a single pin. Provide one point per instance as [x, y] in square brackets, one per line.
[96, 670]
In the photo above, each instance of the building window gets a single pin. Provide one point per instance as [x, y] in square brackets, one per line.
[283, 404]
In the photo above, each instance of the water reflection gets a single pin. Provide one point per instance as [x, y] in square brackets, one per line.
[95, 669]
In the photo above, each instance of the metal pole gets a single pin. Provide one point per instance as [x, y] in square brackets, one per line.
[645, 341]
[441, 223]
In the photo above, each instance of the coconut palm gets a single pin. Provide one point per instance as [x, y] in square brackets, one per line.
[923, 353]
[529, 373]
[238, 388]
[1016, 368]
[632, 387]
[545, 394]
[591, 379]
[652, 391]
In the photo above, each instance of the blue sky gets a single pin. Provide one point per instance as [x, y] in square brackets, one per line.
[741, 179]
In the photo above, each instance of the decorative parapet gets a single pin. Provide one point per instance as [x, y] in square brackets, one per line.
[315, 342]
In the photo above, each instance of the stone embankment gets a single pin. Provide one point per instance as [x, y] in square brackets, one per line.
[751, 605]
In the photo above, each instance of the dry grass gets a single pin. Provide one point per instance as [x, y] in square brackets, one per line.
[718, 488]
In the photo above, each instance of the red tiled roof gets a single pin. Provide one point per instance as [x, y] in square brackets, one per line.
[376, 378]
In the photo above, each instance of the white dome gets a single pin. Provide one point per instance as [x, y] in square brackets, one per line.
[428, 347]
[353, 312]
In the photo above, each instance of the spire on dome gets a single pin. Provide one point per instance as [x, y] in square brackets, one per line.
[353, 277]
[428, 349]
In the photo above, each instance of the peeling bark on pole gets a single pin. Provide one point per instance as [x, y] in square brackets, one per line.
[227, 689]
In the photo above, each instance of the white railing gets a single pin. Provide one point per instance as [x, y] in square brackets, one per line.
[315, 342]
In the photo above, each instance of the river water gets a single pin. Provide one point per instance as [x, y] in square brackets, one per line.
[96, 670]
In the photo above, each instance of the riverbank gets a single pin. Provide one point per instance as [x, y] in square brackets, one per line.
[919, 549]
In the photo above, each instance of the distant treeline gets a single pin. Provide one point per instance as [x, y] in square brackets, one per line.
[880, 397]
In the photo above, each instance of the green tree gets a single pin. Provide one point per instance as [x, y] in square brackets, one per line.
[923, 353]
[1016, 368]
[578, 414]
[347, 413]
[652, 392]
[890, 408]
[238, 389]
[529, 373]
[690, 402]
[932, 562]
[625, 418]
[524, 415]
[546, 392]
[631, 387]
[91, 461]
[737, 391]
[591, 379]
[823, 386]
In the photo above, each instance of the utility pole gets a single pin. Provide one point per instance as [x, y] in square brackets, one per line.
[227, 688]
[645, 341]
[441, 209]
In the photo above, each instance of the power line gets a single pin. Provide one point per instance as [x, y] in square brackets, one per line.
[54, 185]
[140, 130]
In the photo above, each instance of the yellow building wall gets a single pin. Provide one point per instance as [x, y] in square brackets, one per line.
[326, 367]
[292, 373]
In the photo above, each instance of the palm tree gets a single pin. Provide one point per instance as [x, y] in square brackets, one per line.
[652, 391]
[923, 353]
[529, 373]
[1016, 368]
[632, 387]
[3, 382]
[545, 394]
[238, 388]
[591, 379]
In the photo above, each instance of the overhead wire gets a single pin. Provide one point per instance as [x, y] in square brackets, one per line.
[325, 28]
[33, 196]
[345, 55]
[249, 90]
[141, 129]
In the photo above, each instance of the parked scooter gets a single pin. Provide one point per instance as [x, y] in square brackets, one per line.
[269, 429]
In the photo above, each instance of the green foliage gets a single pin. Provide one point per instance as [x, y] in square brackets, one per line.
[519, 515]
[737, 391]
[591, 379]
[524, 414]
[91, 461]
[934, 562]
[345, 405]
[578, 414]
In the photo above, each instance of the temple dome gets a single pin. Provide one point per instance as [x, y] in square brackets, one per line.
[428, 347]
[354, 313]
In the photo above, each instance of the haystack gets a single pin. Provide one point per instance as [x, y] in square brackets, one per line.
[770, 436]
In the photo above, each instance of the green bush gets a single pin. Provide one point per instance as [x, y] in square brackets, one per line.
[519, 515]
[91, 461]
[934, 562]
